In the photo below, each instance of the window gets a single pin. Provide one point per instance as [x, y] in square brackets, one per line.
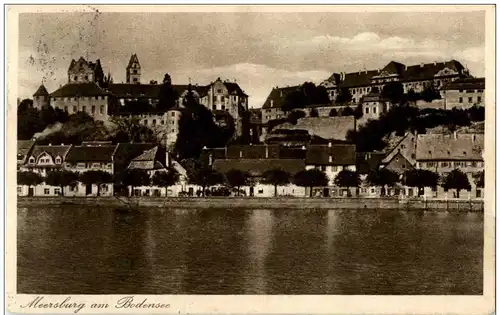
[46, 191]
[162, 122]
[173, 114]
[58, 160]
[154, 122]
[223, 107]
[145, 121]
[93, 109]
[57, 191]
[86, 78]
[214, 107]
[261, 191]
[84, 108]
[74, 98]
[173, 130]
[374, 110]
[219, 91]
[101, 109]
[474, 163]
[367, 110]
[445, 164]
[135, 71]
[75, 109]
[460, 100]
[479, 99]
[75, 78]
[470, 99]
[66, 108]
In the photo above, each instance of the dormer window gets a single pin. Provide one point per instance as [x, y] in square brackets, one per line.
[330, 159]
[58, 160]
[31, 160]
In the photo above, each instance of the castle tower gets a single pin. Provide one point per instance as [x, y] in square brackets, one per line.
[134, 70]
[41, 97]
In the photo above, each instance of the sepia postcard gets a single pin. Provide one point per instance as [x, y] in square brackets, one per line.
[224, 159]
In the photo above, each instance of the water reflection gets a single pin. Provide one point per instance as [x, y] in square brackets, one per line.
[224, 251]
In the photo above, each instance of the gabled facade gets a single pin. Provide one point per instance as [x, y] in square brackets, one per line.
[463, 93]
[44, 158]
[331, 159]
[24, 148]
[83, 71]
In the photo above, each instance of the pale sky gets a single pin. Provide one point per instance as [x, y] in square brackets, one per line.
[258, 50]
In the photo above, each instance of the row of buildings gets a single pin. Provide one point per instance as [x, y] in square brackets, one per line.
[89, 90]
[437, 152]
[457, 89]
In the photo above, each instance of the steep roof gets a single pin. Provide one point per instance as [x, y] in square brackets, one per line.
[368, 161]
[450, 147]
[341, 154]
[24, 146]
[42, 91]
[252, 151]
[79, 89]
[373, 97]
[125, 152]
[234, 89]
[465, 84]
[278, 95]
[429, 70]
[133, 59]
[52, 150]
[360, 78]
[128, 90]
[256, 167]
[91, 153]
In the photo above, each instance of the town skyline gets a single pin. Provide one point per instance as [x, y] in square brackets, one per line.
[293, 48]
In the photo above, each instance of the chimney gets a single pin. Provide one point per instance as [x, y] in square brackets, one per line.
[167, 159]
[421, 65]
[455, 135]
[329, 144]
[241, 154]
[267, 152]
[330, 159]
[62, 143]
[210, 159]
[50, 144]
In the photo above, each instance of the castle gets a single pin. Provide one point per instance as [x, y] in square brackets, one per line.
[89, 90]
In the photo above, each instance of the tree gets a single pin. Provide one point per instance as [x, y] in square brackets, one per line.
[393, 91]
[294, 116]
[456, 179]
[347, 178]
[276, 177]
[205, 177]
[165, 179]
[333, 112]
[344, 96]
[313, 112]
[96, 177]
[294, 100]
[307, 94]
[310, 178]
[24, 105]
[134, 177]
[479, 179]
[62, 178]
[29, 179]
[374, 90]
[168, 96]
[420, 178]
[429, 94]
[347, 111]
[130, 129]
[382, 177]
[237, 178]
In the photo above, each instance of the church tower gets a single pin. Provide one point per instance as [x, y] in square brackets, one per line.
[41, 97]
[134, 70]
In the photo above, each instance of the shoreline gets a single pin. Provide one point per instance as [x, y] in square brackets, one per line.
[254, 203]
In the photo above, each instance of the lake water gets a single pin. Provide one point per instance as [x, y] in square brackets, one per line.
[66, 250]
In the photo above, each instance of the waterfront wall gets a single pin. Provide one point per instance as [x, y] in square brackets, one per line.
[258, 203]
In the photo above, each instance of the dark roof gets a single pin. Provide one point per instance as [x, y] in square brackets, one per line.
[360, 78]
[406, 73]
[256, 167]
[278, 95]
[125, 152]
[465, 84]
[52, 150]
[133, 59]
[342, 154]
[91, 153]
[42, 91]
[368, 161]
[79, 89]
[24, 146]
[234, 89]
